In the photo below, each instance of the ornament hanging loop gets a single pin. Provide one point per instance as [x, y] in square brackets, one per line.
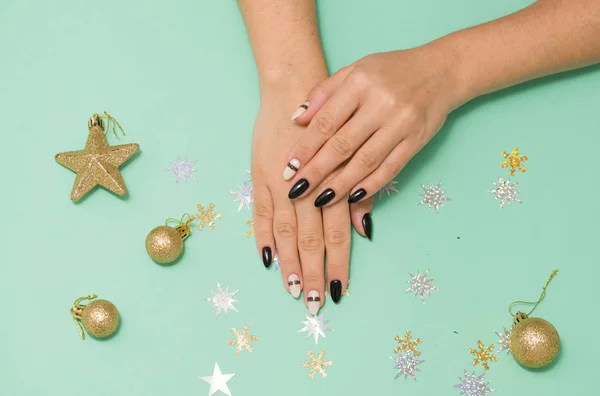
[184, 227]
[76, 311]
[110, 124]
[519, 316]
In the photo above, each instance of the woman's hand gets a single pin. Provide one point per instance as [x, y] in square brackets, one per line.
[376, 114]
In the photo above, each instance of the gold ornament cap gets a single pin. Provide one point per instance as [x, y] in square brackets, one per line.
[534, 342]
[99, 318]
[164, 244]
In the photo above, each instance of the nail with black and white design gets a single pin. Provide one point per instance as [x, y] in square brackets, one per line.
[294, 285]
[300, 110]
[290, 169]
[314, 302]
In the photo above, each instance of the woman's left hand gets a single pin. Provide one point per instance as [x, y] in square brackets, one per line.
[376, 114]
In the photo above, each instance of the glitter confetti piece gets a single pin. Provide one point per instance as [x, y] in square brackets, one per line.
[406, 364]
[250, 232]
[483, 355]
[472, 385]
[243, 195]
[407, 344]
[206, 216]
[513, 161]
[218, 381]
[315, 326]
[433, 197]
[420, 284]
[223, 300]
[504, 340]
[182, 170]
[242, 340]
[276, 261]
[388, 188]
[317, 364]
[505, 192]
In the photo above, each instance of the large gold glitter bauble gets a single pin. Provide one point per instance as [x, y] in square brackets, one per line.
[99, 318]
[98, 163]
[534, 342]
[164, 244]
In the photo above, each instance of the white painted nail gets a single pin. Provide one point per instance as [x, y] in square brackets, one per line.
[290, 169]
[294, 285]
[314, 302]
[300, 110]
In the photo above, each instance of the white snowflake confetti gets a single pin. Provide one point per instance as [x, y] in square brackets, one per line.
[182, 170]
[472, 385]
[406, 364]
[276, 261]
[504, 340]
[315, 326]
[223, 300]
[387, 188]
[433, 197]
[505, 192]
[244, 195]
[421, 285]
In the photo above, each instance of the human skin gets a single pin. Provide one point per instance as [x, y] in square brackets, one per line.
[287, 49]
[380, 111]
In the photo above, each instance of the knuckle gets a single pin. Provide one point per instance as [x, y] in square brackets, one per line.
[324, 124]
[285, 229]
[336, 238]
[368, 158]
[262, 210]
[359, 78]
[310, 242]
[313, 278]
[341, 146]
[392, 167]
[317, 91]
[288, 262]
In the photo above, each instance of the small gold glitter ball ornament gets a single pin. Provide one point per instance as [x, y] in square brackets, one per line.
[534, 342]
[99, 318]
[164, 244]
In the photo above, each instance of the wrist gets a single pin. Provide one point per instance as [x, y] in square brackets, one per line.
[297, 78]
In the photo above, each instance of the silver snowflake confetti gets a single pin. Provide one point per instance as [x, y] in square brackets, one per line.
[182, 170]
[243, 194]
[472, 385]
[315, 326]
[406, 364]
[223, 300]
[387, 188]
[433, 196]
[420, 284]
[504, 340]
[277, 261]
[505, 192]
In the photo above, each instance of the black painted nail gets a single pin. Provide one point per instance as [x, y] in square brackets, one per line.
[267, 256]
[335, 289]
[368, 225]
[299, 188]
[357, 196]
[324, 198]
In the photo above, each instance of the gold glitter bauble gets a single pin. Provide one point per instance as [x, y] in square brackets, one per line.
[164, 244]
[534, 342]
[100, 318]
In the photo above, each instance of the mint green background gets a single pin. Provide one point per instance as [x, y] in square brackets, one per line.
[180, 77]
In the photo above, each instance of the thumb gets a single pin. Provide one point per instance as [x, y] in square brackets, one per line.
[319, 95]
[360, 213]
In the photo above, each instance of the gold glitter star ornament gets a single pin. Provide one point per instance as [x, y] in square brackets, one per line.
[98, 163]
[99, 318]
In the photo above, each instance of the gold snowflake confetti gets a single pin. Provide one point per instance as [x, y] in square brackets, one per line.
[513, 161]
[250, 232]
[316, 364]
[206, 216]
[242, 340]
[345, 293]
[407, 344]
[483, 355]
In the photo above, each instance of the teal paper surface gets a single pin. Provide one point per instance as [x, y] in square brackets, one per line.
[180, 78]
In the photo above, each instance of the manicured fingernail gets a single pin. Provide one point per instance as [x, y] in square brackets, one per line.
[294, 284]
[290, 169]
[357, 196]
[267, 256]
[298, 189]
[300, 110]
[368, 225]
[335, 289]
[324, 198]
[314, 302]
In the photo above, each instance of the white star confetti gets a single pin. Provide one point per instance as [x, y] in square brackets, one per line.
[218, 381]
[244, 195]
[182, 170]
[504, 340]
[406, 364]
[387, 188]
[315, 326]
[472, 385]
[433, 197]
[223, 300]
[505, 192]
[276, 261]
[421, 285]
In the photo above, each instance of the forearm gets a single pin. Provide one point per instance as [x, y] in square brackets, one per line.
[285, 41]
[548, 37]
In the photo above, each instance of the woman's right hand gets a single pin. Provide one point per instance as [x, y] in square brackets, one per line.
[300, 231]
